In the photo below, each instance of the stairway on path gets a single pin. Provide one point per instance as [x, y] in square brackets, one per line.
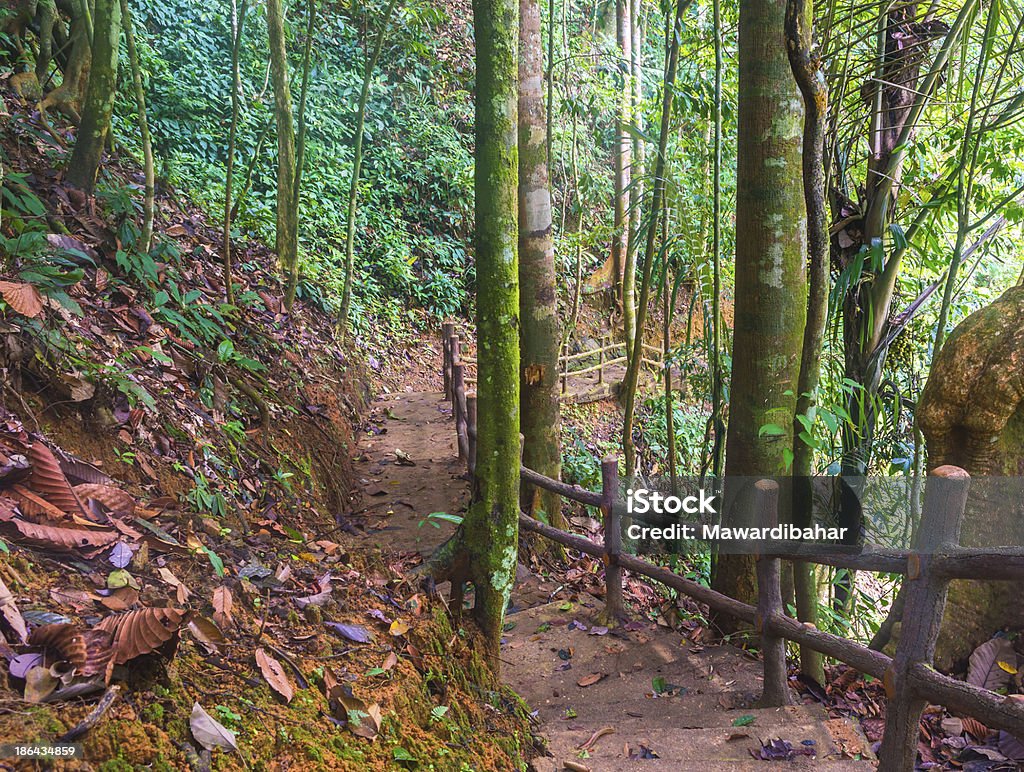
[690, 727]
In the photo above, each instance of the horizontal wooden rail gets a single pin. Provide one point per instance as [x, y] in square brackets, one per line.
[910, 680]
[837, 556]
[565, 490]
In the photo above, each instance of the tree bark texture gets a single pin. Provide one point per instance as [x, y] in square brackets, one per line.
[771, 249]
[491, 529]
[99, 98]
[287, 236]
[538, 299]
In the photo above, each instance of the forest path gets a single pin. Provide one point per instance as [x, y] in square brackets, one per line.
[670, 703]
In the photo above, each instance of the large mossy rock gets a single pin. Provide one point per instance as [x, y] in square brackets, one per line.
[972, 415]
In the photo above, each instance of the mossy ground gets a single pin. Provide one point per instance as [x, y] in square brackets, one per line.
[484, 727]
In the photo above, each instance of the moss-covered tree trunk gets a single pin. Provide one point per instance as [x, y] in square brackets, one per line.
[99, 97]
[771, 250]
[538, 299]
[147, 145]
[972, 415]
[491, 529]
[287, 235]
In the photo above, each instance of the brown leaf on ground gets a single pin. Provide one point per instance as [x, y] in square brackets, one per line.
[60, 642]
[275, 675]
[48, 481]
[99, 654]
[10, 614]
[222, 603]
[590, 680]
[116, 500]
[23, 298]
[141, 631]
[54, 537]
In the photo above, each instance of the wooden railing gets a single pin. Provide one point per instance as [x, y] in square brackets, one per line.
[608, 354]
[908, 677]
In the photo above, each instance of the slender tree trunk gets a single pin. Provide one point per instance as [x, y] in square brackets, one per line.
[811, 82]
[287, 240]
[634, 178]
[771, 247]
[623, 146]
[237, 28]
[633, 371]
[357, 165]
[491, 527]
[300, 142]
[717, 380]
[147, 143]
[538, 299]
[99, 98]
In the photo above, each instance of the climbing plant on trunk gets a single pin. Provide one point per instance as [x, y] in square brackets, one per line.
[99, 96]
[538, 299]
[771, 249]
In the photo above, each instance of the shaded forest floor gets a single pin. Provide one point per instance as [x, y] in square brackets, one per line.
[176, 488]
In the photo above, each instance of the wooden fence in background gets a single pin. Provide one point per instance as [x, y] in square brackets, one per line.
[608, 354]
[910, 680]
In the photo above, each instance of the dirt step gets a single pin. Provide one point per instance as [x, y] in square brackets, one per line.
[718, 746]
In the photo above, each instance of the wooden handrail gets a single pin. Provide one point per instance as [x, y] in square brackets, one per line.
[909, 678]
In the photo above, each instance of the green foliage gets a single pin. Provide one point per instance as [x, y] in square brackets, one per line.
[416, 184]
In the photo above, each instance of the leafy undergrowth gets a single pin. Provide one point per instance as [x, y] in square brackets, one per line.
[170, 459]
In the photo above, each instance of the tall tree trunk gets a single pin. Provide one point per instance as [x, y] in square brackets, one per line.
[237, 28]
[771, 248]
[147, 144]
[491, 527]
[538, 299]
[357, 165]
[717, 420]
[623, 147]
[636, 356]
[634, 179]
[811, 82]
[287, 238]
[99, 98]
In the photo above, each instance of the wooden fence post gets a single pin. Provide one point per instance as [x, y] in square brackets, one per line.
[600, 359]
[614, 609]
[461, 428]
[447, 330]
[471, 430]
[565, 367]
[769, 601]
[455, 352]
[945, 497]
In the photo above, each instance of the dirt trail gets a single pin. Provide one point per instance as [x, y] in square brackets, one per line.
[651, 699]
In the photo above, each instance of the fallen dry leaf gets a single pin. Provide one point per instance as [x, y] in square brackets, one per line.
[23, 298]
[48, 481]
[275, 675]
[11, 615]
[210, 733]
[141, 631]
[222, 603]
[116, 500]
[590, 680]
